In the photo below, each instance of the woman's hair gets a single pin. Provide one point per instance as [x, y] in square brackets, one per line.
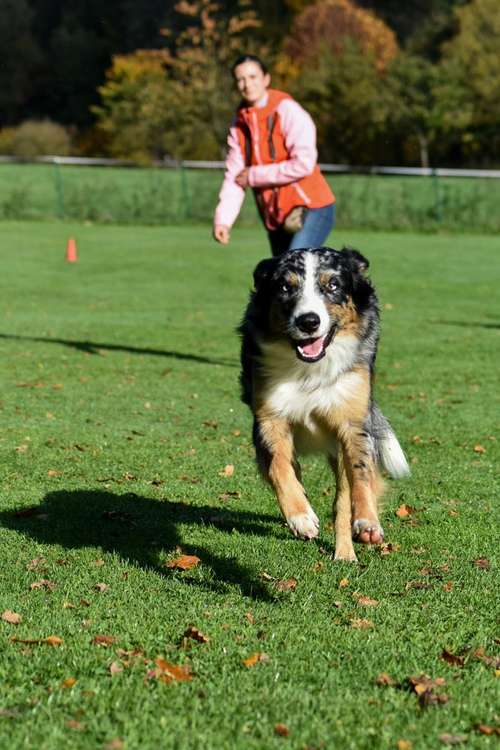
[250, 58]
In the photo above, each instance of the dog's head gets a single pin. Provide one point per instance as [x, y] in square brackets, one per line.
[307, 296]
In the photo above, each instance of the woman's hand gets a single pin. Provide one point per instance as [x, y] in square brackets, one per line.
[242, 179]
[221, 234]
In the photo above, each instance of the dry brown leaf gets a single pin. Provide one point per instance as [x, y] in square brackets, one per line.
[167, 672]
[101, 587]
[53, 640]
[250, 618]
[36, 563]
[195, 635]
[54, 473]
[405, 510]
[254, 659]
[68, 682]
[454, 659]
[384, 679]
[366, 601]
[281, 729]
[227, 471]
[486, 729]
[115, 668]
[103, 640]
[43, 584]
[115, 744]
[479, 449]
[483, 563]
[11, 617]
[343, 583]
[389, 548]
[404, 745]
[287, 585]
[77, 725]
[184, 562]
[361, 624]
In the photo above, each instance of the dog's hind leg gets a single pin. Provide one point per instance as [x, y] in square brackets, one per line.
[344, 549]
[274, 448]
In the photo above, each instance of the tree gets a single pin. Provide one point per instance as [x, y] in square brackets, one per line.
[468, 89]
[175, 101]
[327, 24]
[20, 58]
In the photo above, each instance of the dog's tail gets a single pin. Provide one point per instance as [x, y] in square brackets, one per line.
[389, 452]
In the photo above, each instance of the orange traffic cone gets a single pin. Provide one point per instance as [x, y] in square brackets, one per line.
[71, 251]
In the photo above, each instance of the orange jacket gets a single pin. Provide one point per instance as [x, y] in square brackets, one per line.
[277, 142]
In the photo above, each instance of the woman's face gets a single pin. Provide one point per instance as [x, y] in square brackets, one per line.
[251, 81]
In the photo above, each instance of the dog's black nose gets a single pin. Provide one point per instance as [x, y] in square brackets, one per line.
[308, 322]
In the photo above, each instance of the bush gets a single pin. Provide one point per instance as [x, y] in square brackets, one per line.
[6, 140]
[40, 138]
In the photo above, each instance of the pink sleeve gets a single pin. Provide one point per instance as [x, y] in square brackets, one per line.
[231, 195]
[300, 141]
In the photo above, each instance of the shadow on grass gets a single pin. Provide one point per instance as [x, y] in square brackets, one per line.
[138, 529]
[93, 347]
[467, 324]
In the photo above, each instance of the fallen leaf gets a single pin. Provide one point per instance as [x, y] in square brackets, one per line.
[483, 563]
[115, 668]
[115, 744]
[287, 585]
[101, 587]
[424, 687]
[361, 624]
[54, 473]
[448, 586]
[366, 601]
[249, 616]
[11, 617]
[479, 449]
[36, 563]
[486, 729]
[404, 745]
[389, 548]
[454, 659]
[384, 679]
[103, 640]
[184, 562]
[405, 510]
[167, 672]
[343, 583]
[53, 640]
[254, 659]
[43, 584]
[68, 682]
[227, 471]
[453, 739]
[195, 635]
[281, 730]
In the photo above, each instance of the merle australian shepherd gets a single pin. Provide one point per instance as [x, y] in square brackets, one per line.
[309, 341]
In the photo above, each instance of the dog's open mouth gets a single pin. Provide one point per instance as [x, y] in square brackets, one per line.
[311, 350]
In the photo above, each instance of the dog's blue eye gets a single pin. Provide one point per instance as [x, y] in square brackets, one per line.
[286, 288]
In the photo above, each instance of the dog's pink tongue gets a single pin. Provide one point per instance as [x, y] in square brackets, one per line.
[314, 348]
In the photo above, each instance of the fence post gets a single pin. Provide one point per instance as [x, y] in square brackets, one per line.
[438, 202]
[59, 190]
[185, 194]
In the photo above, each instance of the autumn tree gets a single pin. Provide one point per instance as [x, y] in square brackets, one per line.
[177, 101]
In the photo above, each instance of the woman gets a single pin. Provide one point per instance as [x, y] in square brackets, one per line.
[272, 149]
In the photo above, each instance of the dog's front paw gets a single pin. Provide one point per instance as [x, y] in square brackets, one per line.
[304, 525]
[367, 532]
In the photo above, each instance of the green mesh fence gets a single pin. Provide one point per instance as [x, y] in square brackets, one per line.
[165, 196]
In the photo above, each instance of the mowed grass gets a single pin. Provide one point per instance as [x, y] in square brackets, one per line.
[120, 411]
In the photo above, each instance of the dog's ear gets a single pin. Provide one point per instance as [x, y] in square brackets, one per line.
[358, 262]
[263, 272]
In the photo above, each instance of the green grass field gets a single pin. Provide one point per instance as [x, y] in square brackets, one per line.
[120, 411]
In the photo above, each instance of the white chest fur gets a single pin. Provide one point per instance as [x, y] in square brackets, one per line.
[301, 391]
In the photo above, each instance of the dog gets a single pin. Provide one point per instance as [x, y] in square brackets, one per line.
[309, 340]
